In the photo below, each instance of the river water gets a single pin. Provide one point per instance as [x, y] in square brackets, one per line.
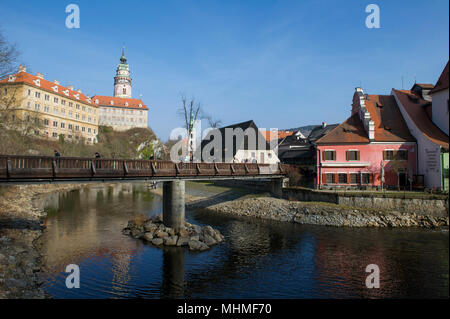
[259, 259]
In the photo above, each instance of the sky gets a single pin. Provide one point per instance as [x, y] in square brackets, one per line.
[280, 63]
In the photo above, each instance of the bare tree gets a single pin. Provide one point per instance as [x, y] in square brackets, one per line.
[190, 112]
[214, 123]
[8, 56]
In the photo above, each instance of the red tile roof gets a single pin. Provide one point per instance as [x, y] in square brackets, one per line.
[351, 131]
[119, 102]
[35, 81]
[281, 134]
[442, 83]
[389, 124]
[416, 108]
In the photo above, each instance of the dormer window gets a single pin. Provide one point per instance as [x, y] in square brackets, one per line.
[96, 101]
[140, 105]
[55, 88]
[37, 82]
[11, 78]
[77, 96]
[66, 92]
[112, 102]
[126, 103]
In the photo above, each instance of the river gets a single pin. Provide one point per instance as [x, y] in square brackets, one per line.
[259, 259]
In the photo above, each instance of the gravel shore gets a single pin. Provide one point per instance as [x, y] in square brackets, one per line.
[317, 213]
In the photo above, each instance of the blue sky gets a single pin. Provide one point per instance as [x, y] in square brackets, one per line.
[281, 63]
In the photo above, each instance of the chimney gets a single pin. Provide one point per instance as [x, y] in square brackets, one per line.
[40, 75]
[324, 124]
[70, 87]
[56, 82]
[22, 68]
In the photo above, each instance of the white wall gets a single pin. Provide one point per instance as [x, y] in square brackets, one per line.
[428, 152]
[440, 110]
[269, 156]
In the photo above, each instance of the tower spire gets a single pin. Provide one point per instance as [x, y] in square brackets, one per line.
[122, 80]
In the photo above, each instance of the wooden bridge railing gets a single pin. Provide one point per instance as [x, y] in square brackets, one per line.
[47, 167]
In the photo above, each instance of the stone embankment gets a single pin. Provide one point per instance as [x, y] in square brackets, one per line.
[20, 227]
[154, 232]
[319, 213]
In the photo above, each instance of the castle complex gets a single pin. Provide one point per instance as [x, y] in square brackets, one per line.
[62, 112]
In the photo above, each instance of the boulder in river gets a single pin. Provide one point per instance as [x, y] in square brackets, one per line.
[153, 231]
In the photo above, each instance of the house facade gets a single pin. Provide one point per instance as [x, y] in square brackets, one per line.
[238, 143]
[57, 111]
[427, 116]
[372, 148]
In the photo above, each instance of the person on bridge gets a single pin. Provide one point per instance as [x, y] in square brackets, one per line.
[97, 155]
[56, 153]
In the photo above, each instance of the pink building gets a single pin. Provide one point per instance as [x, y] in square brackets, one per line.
[352, 153]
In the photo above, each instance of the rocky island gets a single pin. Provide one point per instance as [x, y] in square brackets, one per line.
[153, 231]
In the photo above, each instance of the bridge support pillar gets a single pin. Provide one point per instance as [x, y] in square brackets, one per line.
[277, 186]
[173, 204]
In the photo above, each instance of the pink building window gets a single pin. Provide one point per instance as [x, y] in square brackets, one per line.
[329, 155]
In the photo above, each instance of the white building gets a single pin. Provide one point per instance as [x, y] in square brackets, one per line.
[427, 119]
[238, 143]
[440, 105]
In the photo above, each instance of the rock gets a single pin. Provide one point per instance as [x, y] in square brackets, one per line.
[217, 236]
[161, 234]
[149, 226]
[208, 230]
[136, 233]
[170, 241]
[197, 245]
[157, 241]
[148, 236]
[170, 231]
[183, 233]
[182, 241]
[126, 231]
[209, 240]
[197, 229]
[195, 238]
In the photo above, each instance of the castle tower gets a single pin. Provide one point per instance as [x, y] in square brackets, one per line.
[122, 80]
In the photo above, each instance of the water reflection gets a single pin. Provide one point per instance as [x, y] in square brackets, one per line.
[260, 259]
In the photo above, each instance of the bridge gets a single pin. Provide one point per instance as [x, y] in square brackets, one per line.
[22, 169]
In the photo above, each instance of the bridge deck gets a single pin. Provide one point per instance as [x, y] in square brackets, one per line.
[47, 168]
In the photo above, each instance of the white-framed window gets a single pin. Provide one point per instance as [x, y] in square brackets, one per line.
[329, 155]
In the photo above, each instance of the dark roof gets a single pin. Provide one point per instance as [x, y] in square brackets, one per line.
[426, 86]
[442, 83]
[243, 144]
[416, 108]
[320, 131]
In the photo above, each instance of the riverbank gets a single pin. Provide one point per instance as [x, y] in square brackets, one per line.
[314, 213]
[21, 212]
